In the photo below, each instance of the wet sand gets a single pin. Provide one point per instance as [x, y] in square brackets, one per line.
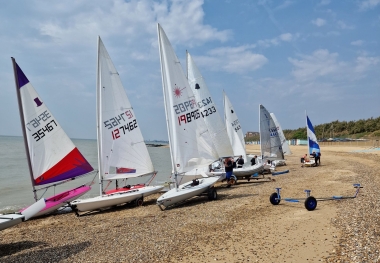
[241, 226]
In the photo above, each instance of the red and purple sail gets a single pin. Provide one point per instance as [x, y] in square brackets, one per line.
[53, 156]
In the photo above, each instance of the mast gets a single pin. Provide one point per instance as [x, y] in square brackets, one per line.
[187, 67]
[98, 122]
[307, 134]
[22, 119]
[166, 107]
[261, 149]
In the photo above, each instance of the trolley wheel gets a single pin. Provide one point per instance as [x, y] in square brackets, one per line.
[139, 201]
[310, 203]
[274, 199]
[212, 194]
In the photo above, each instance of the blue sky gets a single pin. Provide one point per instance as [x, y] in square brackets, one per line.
[321, 56]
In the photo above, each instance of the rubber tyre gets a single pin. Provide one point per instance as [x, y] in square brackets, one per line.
[273, 199]
[212, 194]
[310, 203]
[139, 201]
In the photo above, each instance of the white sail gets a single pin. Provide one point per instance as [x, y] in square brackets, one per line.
[270, 142]
[188, 134]
[122, 152]
[284, 142]
[121, 148]
[234, 130]
[207, 108]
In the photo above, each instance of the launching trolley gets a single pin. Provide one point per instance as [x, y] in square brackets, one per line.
[310, 201]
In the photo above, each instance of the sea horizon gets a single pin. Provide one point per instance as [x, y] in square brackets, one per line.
[91, 139]
[16, 190]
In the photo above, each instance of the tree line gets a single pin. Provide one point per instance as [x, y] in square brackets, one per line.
[369, 128]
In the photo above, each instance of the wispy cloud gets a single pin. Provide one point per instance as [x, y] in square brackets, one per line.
[232, 59]
[325, 2]
[357, 43]
[286, 37]
[343, 25]
[285, 4]
[319, 22]
[319, 64]
[182, 21]
[368, 4]
[364, 63]
[322, 65]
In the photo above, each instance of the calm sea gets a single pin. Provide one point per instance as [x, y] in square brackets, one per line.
[15, 184]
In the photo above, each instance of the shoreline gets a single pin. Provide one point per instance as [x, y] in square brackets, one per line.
[240, 226]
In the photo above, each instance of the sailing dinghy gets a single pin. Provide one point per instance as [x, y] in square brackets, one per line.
[122, 152]
[270, 142]
[236, 138]
[187, 131]
[312, 142]
[52, 157]
[219, 140]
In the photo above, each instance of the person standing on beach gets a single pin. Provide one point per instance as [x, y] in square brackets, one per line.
[317, 158]
[240, 162]
[228, 167]
[253, 160]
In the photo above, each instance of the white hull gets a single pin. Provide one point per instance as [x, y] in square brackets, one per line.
[279, 162]
[309, 163]
[117, 198]
[10, 220]
[248, 171]
[186, 191]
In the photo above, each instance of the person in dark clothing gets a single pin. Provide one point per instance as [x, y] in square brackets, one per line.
[253, 160]
[317, 158]
[240, 162]
[228, 167]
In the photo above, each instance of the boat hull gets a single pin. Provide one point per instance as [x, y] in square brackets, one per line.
[186, 191]
[59, 200]
[248, 171]
[310, 163]
[10, 220]
[113, 199]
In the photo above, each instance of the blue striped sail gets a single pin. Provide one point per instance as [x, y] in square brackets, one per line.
[312, 139]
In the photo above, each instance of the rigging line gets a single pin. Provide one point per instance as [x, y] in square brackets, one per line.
[93, 179]
[151, 179]
[42, 194]
[105, 188]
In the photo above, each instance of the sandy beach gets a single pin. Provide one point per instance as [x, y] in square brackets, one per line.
[241, 226]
